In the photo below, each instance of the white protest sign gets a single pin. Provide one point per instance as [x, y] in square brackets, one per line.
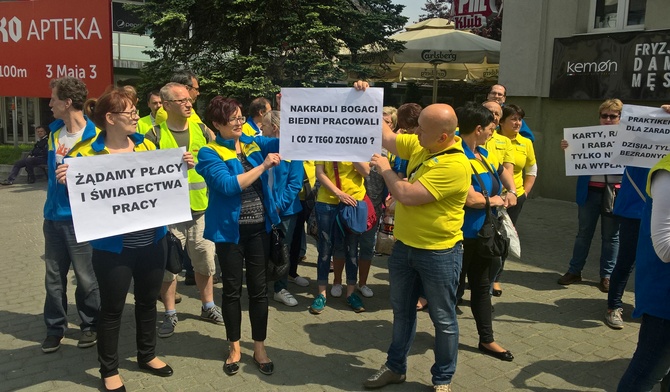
[331, 124]
[644, 136]
[590, 150]
[122, 193]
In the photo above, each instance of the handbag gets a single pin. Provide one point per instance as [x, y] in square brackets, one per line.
[514, 242]
[279, 256]
[610, 193]
[492, 240]
[175, 253]
[354, 219]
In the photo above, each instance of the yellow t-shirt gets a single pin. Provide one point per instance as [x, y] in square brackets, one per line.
[310, 173]
[524, 157]
[435, 225]
[501, 147]
[352, 182]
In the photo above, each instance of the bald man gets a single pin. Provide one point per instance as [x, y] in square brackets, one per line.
[428, 251]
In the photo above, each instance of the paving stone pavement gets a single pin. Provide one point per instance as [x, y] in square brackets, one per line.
[557, 334]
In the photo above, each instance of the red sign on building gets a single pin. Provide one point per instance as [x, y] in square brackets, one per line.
[42, 40]
[471, 14]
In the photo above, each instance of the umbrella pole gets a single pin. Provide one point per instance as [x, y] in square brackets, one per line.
[435, 82]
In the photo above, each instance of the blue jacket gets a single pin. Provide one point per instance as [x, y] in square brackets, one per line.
[57, 204]
[628, 202]
[288, 176]
[115, 243]
[582, 189]
[218, 164]
[526, 132]
[474, 217]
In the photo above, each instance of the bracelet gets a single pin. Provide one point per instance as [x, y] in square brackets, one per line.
[513, 192]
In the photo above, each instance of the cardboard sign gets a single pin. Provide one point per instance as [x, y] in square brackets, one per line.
[122, 193]
[643, 137]
[590, 150]
[331, 124]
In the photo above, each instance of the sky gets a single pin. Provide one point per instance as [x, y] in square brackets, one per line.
[412, 9]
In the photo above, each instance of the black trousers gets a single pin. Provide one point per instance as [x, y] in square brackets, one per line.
[296, 241]
[114, 271]
[252, 252]
[476, 268]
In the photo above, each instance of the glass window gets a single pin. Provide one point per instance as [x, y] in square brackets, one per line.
[616, 14]
[636, 12]
[606, 14]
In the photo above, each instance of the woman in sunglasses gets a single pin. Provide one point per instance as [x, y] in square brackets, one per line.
[590, 192]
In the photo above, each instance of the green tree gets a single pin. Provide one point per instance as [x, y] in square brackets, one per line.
[436, 9]
[249, 48]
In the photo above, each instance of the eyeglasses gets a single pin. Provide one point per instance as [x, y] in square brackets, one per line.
[193, 88]
[609, 116]
[181, 102]
[130, 113]
[240, 120]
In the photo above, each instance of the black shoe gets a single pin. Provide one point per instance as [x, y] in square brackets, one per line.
[165, 371]
[503, 356]
[496, 293]
[31, 179]
[51, 343]
[87, 339]
[6, 182]
[231, 368]
[265, 368]
[122, 388]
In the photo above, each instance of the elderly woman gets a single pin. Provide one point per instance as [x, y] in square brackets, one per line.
[476, 124]
[239, 217]
[138, 256]
[589, 201]
[286, 185]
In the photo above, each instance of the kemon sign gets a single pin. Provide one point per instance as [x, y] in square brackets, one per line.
[42, 40]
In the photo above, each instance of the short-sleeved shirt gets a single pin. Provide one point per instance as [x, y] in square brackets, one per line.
[524, 157]
[500, 147]
[352, 183]
[435, 225]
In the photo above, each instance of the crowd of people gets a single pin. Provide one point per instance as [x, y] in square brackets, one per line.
[442, 168]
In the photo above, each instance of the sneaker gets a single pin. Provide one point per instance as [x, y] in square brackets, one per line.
[189, 280]
[87, 339]
[299, 280]
[318, 305]
[51, 343]
[365, 290]
[286, 298]
[213, 315]
[384, 376]
[614, 318]
[355, 302]
[336, 290]
[177, 298]
[442, 388]
[167, 326]
[6, 182]
[569, 279]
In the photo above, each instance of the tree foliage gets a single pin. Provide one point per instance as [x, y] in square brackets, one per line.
[436, 9]
[249, 48]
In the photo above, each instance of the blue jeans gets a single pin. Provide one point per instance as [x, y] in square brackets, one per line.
[651, 361]
[60, 251]
[438, 271]
[625, 261]
[287, 226]
[329, 235]
[588, 215]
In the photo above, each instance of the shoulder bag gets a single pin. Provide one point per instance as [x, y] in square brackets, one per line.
[492, 240]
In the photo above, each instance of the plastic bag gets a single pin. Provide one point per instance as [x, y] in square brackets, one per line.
[385, 238]
[514, 243]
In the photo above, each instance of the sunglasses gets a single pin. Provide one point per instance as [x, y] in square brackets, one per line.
[609, 116]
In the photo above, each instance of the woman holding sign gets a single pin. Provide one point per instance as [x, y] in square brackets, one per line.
[239, 216]
[138, 256]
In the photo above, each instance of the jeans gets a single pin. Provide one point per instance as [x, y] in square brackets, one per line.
[329, 235]
[114, 271]
[438, 271]
[299, 240]
[29, 163]
[287, 226]
[651, 361]
[60, 251]
[625, 261]
[587, 216]
[252, 251]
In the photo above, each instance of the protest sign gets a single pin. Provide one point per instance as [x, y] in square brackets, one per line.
[643, 137]
[122, 193]
[590, 150]
[331, 124]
